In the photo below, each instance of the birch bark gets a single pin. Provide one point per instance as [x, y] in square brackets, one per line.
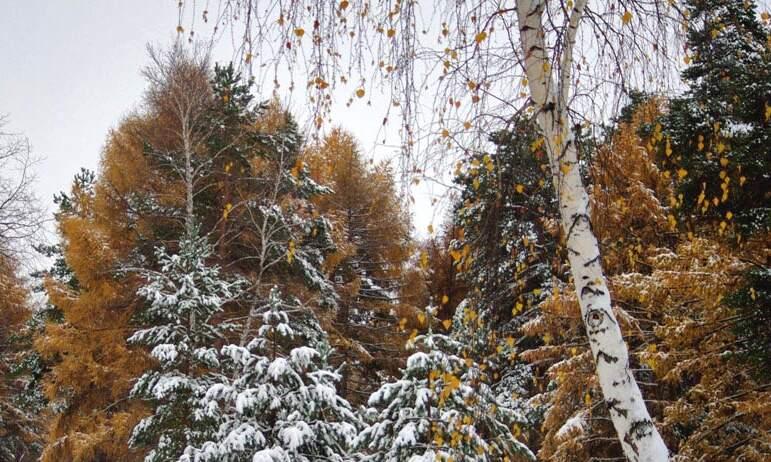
[638, 435]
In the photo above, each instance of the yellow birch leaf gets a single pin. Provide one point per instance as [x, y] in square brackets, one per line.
[424, 260]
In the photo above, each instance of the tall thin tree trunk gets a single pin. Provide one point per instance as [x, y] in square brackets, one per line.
[189, 206]
[638, 435]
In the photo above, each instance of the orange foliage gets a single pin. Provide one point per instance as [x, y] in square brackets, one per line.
[17, 429]
[93, 368]
[371, 233]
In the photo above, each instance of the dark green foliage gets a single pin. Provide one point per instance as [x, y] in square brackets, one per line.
[506, 201]
[752, 303]
[717, 137]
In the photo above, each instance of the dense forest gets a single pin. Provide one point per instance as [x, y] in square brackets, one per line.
[231, 286]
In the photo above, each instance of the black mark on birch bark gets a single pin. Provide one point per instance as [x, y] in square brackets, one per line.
[613, 405]
[606, 357]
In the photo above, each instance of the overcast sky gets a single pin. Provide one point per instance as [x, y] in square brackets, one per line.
[71, 71]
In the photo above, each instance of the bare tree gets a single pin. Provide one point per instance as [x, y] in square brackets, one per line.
[21, 216]
[179, 90]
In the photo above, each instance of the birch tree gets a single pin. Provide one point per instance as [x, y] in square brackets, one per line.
[561, 63]
[638, 435]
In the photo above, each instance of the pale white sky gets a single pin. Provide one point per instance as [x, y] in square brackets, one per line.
[71, 71]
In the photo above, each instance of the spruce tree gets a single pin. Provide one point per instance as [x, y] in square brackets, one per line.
[182, 299]
[506, 252]
[441, 409]
[275, 398]
[716, 139]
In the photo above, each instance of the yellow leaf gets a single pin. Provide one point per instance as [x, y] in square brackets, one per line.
[421, 318]
[729, 215]
[627, 17]
[467, 125]
[723, 161]
[360, 93]
[480, 37]
[424, 260]
[445, 133]
[299, 32]
[344, 4]
[682, 173]
[430, 229]
[180, 29]
[445, 299]
[470, 316]
[588, 399]
[447, 323]
[390, 33]
[537, 144]
[520, 188]
[290, 252]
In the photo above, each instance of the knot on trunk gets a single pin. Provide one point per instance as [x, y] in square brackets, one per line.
[594, 318]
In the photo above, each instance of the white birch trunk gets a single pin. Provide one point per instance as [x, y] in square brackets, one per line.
[638, 435]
